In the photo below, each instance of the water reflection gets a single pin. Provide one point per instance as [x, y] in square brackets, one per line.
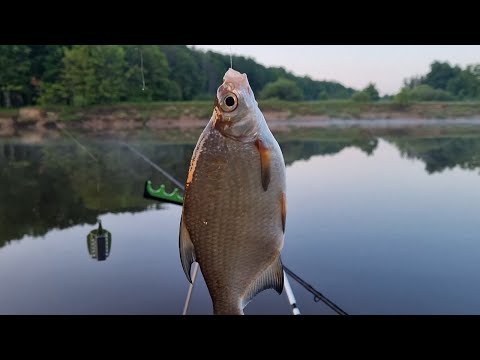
[371, 229]
[99, 243]
[439, 154]
[58, 185]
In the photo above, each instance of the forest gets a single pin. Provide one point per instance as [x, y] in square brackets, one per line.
[105, 74]
[84, 75]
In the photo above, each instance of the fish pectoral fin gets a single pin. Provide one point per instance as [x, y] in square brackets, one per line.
[187, 251]
[271, 278]
[265, 162]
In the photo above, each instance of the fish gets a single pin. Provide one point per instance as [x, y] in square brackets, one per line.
[234, 209]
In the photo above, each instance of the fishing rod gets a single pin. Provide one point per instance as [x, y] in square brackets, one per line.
[318, 295]
[177, 199]
[190, 288]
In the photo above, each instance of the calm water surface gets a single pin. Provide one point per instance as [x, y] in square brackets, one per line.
[380, 221]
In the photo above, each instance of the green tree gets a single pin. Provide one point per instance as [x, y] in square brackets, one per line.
[46, 68]
[14, 73]
[109, 65]
[475, 70]
[440, 74]
[214, 69]
[283, 89]
[46, 61]
[79, 75]
[403, 98]
[93, 74]
[54, 93]
[321, 90]
[323, 95]
[184, 70]
[412, 82]
[452, 80]
[465, 85]
[372, 92]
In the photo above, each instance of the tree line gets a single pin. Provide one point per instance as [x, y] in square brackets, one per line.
[102, 74]
[443, 82]
[83, 75]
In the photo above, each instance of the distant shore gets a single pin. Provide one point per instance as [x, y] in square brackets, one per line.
[279, 114]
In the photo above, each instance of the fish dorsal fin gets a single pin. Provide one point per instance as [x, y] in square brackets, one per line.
[271, 278]
[187, 251]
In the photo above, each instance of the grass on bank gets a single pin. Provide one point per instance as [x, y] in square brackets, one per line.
[346, 109]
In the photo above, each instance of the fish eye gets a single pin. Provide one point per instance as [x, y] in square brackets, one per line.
[230, 102]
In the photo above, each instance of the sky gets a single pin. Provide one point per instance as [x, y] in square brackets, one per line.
[356, 65]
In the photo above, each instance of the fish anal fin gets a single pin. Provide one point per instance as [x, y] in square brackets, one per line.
[187, 251]
[265, 160]
[283, 206]
[271, 278]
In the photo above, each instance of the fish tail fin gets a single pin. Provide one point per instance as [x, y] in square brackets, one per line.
[271, 278]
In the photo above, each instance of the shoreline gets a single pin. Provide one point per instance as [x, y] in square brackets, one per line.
[280, 116]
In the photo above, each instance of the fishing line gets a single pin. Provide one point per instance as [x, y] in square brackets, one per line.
[91, 155]
[141, 68]
[155, 166]
[231, 59]
[79, 143]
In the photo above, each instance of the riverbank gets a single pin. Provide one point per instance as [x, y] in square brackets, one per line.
[195, 114]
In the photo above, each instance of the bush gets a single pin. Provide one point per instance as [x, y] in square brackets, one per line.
[361, 96]
[424, 93]
[283, 89]
[370, 93]
[427, 93]
[403, 98]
